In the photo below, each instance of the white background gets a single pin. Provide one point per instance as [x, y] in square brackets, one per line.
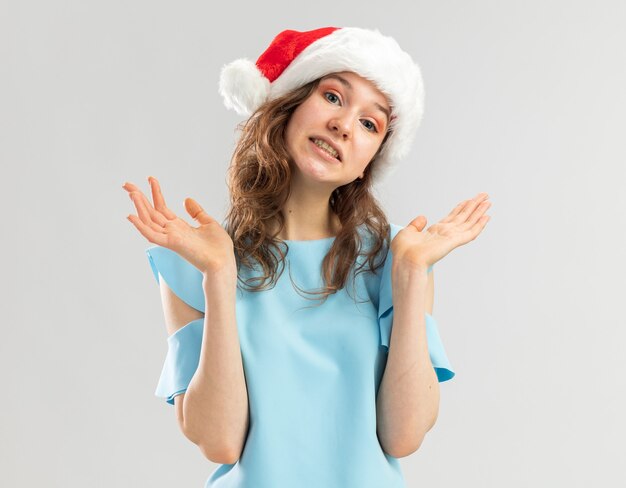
[524, 100]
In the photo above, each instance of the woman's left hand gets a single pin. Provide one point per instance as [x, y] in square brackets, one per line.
[418, 249]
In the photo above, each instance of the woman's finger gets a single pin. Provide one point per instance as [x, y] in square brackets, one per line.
[130, 187]
[155, 215]
[144, 213]
[197, 212]
[455, 211]
[470, 207]
[477, 213]
[159, 200]
[478, 227]
[153, 236]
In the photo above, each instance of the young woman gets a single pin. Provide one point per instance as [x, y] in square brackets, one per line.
[282, 392]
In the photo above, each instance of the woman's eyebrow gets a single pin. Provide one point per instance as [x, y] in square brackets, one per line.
[348, 85]
[343, 81]
[384, 110]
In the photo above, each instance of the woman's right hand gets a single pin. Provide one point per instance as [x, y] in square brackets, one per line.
[208, 247]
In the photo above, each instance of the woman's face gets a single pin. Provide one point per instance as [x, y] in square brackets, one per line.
[347, 113]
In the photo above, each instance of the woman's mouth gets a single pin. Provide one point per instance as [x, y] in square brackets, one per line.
[325, 149]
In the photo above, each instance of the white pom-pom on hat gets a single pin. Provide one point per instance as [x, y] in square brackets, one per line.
[243, 86]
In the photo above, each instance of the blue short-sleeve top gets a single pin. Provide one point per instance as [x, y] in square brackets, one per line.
[312, 372]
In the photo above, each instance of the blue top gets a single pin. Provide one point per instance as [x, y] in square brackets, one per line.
[312, 374]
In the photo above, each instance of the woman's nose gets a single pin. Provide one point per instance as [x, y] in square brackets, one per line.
[342, 125]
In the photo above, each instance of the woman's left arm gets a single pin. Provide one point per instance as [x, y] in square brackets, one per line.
[407, 405]
[408, 397]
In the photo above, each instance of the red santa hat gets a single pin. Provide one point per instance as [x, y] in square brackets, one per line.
[295, 58]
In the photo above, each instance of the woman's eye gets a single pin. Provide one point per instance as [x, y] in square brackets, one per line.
[369, 125]
[331, 97]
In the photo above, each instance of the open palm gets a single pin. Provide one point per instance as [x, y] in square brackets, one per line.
[462, 225]
[208, 247]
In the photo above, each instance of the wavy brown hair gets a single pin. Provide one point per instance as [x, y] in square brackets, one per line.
[259, 179]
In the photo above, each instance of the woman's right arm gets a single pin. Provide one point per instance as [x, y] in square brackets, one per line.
[215, 405]
[213, 412]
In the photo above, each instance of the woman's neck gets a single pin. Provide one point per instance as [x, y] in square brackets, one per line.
[304, 226]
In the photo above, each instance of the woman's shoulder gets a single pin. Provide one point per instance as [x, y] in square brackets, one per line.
[394, 229]
[369, 237]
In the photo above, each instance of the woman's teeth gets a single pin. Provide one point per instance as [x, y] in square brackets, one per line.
[326, 147]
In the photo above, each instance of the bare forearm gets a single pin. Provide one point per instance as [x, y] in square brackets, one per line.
[408, 398]
[215, 408]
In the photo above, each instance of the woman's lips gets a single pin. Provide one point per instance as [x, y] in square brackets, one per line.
[323, 153]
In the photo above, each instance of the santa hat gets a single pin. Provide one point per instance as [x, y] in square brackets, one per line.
[295, 58]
